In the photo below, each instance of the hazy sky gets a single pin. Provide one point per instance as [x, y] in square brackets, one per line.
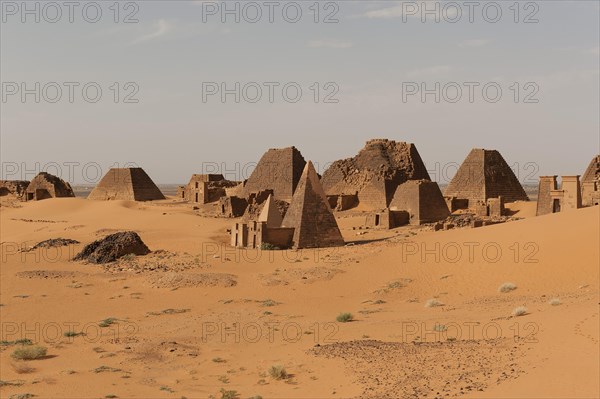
[375, 61]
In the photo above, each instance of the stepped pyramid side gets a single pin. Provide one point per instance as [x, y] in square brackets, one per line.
[278, 170]
[485, 174]
[500, 180]
[590, 183]
[310, 215]
[592, 173]
[131, 184]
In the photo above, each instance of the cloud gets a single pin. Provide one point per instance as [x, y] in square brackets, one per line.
[329, 43]
[428, 9]
[162, 28]
[389, 12]
[473, 43]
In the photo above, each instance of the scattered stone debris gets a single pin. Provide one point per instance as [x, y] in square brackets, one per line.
[113, 247]
[52, 243]
[395, 369]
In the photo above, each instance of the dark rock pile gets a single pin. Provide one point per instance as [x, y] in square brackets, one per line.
[112, 247]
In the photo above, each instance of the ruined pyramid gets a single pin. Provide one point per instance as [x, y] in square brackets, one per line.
[375, 172]
[279, 169]
[310, 215]
[485, 174]
[592, 173]
[131, 184]
[270, 214]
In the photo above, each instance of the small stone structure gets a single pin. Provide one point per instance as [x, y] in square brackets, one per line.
[590, 183]
[231, 207]
[485, 174]
[551, 199]
[15, 188]
[206, 188]
[341, 202]
[130, 184]
[266, 229]
[278, 170]
[493, 207]
[45, 185]
[257, 234]
[386, 219]
[373, 175]
[422, 199]
[310, 215]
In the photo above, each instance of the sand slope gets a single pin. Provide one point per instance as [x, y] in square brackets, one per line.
[198, 316]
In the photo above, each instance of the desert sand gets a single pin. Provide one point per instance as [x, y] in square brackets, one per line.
[197, 316]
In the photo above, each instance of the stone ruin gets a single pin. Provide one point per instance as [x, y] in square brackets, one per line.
[422, 200]
[483, 174]
[552, 199]
[590, 183]
[308, 222]
[130, 184]
[278, 170]
[205, 188]
[262, 230]
[13, 188]
[45, 185]
[371, 177]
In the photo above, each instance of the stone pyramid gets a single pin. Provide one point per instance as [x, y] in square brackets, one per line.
[279, 169]
[375, 172]
[310, 215]
[132, 184]
[270, 214]
[592, 173]
[485, 174]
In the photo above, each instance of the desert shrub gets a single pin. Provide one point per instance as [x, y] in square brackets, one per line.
[432, 303]
[278, 372]
[107, 322]
[22, 368]
[520, 311]
[269, 302]
[29, 352]
[440, 328]
[265, 246]
[554, 302]
[507, 287]
[344, 317]
[225, 394]
[70, 334]
[219, 360]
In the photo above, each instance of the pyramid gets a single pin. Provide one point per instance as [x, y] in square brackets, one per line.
[132, 184]
[485, 174]
[590, 183]
[310, 215]
[592, 173]
[45, 185]
[278, 170]
[270, 214]
[375, 172]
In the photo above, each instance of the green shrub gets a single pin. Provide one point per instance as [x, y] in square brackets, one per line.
[29, 352]
[278, 372]
[344, 317]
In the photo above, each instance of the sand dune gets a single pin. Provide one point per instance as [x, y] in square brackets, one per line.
[196, 315]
